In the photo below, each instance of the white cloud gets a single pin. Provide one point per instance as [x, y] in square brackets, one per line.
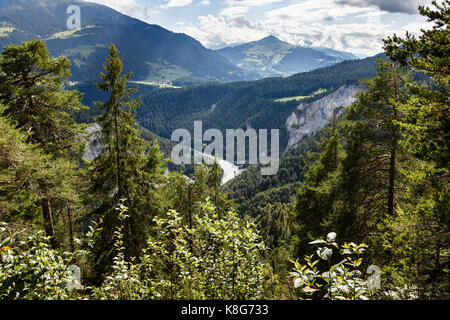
[217, 31]
[128, 7]
[355, 29]
[232, 11]
[176, 3]
[403, 6]
[250, 3]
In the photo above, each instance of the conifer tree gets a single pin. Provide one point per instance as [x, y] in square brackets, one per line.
[420, 235]
[427, 113]
[32, 90]
[316, 197]
[21, 165]
[370, 167]
[123, 171]
[352, 194]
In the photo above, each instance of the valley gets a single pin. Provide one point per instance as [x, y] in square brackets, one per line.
[140, 163]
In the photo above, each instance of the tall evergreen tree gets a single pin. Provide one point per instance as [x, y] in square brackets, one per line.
[316, 197]
[123, 171]
[427, 112]
[21, 166]
[370, 168]
[32, 90]
[351, 188]
[420, 236]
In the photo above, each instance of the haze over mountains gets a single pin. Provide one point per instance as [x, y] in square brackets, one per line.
[156, 55]
[153, 53]
[271, 57]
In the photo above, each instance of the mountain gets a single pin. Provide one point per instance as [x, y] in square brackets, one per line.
[271, 57]
[153, 53]
[262, 104]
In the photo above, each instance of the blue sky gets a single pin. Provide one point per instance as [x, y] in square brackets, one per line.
[356, 26]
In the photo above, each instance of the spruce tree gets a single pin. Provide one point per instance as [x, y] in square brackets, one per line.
[420, 235]
[123, 172]
[32, 90]
[370, 169]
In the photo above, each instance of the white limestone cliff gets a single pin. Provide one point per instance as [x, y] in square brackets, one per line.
[310, 118]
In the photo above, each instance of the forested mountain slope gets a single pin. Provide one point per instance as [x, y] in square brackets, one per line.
[262, 104]
[153, 53]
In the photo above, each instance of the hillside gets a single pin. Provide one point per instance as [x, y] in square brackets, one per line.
[153, 53]
[256, 104]
[353, 205]
[270, 57]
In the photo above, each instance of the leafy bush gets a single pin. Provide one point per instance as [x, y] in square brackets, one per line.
[341, 281]
[30, 269]
[218, 257]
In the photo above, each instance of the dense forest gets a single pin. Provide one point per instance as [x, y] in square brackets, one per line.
[236, 104]
[358, 211]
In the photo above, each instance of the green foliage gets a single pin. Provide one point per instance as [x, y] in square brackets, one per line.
[216, 258]
[375, 191]
[231, 256]
[127, 168]
[419, 236]
[20, 165]
[252, 192]
[31, 88]
[354, 181]
[124, 282]
[380, 176]
[30, 269]
[341, 281]
[427, 113]
[35, 102]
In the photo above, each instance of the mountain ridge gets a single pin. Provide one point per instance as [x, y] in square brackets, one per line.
[271, 56]
[150, 51]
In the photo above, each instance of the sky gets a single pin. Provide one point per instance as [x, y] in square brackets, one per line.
[356, 26]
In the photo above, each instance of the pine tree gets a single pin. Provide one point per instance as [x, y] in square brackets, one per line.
[420, 236]
[427, 113]
[351, 188]
[370, 179]
[316, 197]
[123, 171]
[32, 90]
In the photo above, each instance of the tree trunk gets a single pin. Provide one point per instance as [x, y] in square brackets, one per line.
[393, 157]
[190, 195]
[116, 132]
[48, 221]
[69, 214]
[391, 195]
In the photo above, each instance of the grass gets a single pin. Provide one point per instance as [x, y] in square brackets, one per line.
[80, 54]
[69, 34]
[5, 31]
[300, 98]
[163, 74]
